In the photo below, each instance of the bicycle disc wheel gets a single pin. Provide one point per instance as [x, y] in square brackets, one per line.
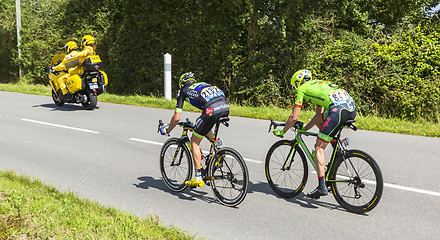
[358, 182]
[286, 175]
[175, 164]
[229, 177]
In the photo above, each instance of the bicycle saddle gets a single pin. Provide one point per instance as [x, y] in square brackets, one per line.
[224, 120]
[349, 123]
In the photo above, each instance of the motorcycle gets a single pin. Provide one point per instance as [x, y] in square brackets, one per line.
[84, 87]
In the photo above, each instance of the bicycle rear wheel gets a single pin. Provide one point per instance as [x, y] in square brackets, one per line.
[175, 164]
[357, 182]
[286, 172]
[229, 177]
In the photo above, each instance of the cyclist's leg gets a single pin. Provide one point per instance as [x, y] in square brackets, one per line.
[335, 116]
[219, 110]
[195, 147]
[203, 126]
[320, 146]
[317, 120]
[332, 121]
[197, 158]
[321, 190]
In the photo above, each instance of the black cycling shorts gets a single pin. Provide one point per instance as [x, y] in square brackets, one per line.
[333, 120]
[210, 115]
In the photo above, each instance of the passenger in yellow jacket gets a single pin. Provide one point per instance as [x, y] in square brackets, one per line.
[89, 48]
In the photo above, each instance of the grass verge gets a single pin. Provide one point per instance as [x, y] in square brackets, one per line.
[372, 123]
[31, 210]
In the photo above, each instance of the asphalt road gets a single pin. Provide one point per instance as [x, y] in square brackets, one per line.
[110, 155]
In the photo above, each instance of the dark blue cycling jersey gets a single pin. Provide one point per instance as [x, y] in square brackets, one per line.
[201, 95]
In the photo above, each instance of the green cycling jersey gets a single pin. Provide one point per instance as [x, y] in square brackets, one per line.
[321, 93]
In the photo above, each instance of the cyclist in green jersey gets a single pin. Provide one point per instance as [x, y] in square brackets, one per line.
[334, 107]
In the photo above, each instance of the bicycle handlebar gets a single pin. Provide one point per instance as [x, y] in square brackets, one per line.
[187, 123]
[296, 126]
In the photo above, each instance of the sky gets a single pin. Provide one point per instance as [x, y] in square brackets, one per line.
[436, 8]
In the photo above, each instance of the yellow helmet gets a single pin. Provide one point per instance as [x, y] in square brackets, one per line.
[70, 46]
[87, 40]
[299, 77]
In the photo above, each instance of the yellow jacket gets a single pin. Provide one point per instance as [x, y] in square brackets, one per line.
[87, 52]
[74, 60]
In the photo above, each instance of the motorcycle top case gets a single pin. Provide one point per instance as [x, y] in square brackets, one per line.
[92, 63]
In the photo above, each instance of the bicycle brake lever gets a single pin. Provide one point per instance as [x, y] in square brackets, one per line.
[271, 124]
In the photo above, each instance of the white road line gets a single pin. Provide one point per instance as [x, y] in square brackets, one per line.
[390, 185]
[206, 152]
[412, 189]
[60, 126]
[146, 141]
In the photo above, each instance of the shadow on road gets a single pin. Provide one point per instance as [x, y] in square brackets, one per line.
[187, 194]
[301, 199]
[65, 108]
[260, 187]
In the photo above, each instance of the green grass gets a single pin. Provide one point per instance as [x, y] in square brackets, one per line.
[372, 123]
[31, 210]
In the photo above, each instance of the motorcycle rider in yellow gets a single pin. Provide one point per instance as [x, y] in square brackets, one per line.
[89, 48]
[72, 62]
[68, 62]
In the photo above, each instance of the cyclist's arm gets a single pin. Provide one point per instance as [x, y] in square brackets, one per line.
[292, 119]
[174, 120]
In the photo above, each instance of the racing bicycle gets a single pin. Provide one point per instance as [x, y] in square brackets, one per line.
[222, 168]
[353, 176]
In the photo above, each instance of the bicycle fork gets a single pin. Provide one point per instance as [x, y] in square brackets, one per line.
[290, 157]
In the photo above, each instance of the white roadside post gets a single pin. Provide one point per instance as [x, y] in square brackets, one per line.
[167, 76]
[18, 18]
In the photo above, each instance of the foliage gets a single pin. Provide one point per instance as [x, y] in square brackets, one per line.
[7, 39]
[396, 75]
[249, 48]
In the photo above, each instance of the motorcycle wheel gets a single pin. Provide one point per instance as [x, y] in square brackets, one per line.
[91, 101]
[56, 100]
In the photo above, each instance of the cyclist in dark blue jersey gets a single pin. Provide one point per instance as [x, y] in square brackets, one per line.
[211, 100]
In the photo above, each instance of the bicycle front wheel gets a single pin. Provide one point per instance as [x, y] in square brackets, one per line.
[229, 177]
[357, 182]
[286, 169]
[175, 164]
